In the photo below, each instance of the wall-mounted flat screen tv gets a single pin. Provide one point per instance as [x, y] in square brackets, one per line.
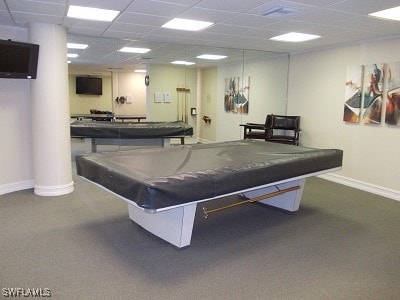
[89, 85]
[18, 60]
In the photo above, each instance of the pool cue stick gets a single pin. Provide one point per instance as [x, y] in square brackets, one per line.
[259, 198]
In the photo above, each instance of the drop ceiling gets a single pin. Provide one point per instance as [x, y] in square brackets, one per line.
[238, 25]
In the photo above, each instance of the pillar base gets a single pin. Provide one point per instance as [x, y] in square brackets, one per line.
[53, 190]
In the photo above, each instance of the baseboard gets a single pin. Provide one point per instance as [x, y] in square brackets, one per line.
[364, 186]
[203, 141]
[16, 186]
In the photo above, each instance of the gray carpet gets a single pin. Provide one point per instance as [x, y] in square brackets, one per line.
[342, 244]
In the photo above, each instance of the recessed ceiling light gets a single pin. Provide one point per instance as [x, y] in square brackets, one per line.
[134, 50]
[91, 13]
[295, 37]
[76, 46]
[182, 62]
[140, 71]
[211, 56]
[68, 61]
[72, 55]
[391, 14]
[186, 24]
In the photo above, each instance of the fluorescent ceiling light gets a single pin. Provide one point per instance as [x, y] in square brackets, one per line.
[140, 71]
[186, 24]
[391, 14]
[68, 61]
[295, 37]
[182, 62]
[134, 50]
[211, 56]
[91, 13]
[76, 46]
[72, 55]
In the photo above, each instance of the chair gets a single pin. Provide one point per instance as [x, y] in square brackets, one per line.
[284, 130]
[257, 131]
[277, 129]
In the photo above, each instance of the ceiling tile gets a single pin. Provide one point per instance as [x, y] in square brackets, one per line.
[289, 26]
[232, 6]
[364, 7]
[360, 22]
[72, 23]
[122, 34]
[142, 19]
[208, 15]
[44, 8]
[226, 29]
[139, 29]
[322, 16]
[5, 19]
[208, 36]
[388, 28]
[320, 3]
[183, 2]
[156, 8]
[36, 18]
[85, 31]
[247, 20]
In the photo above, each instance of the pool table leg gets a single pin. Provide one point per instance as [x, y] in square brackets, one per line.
[90, 145]
[173, 225]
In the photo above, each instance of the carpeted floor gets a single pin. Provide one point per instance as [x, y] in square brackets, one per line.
[342, 244]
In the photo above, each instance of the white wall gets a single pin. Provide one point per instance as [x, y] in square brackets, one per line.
[117, 84]
[208, 100]
[268, 82]
[16, 158]
[316, 93]
[165, 79]
[129, 85]
[82, 104]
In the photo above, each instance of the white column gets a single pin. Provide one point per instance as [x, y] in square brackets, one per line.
[50, 112]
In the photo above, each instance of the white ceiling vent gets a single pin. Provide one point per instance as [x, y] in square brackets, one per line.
[280, 12]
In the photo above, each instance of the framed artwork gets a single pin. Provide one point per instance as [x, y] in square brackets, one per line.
[374, 78]
[353, 94]
[236, 95]
[392, 115]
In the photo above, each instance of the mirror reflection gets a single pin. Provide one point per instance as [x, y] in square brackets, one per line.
[197, 85]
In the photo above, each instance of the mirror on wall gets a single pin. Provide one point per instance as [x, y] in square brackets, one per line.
[182, 79]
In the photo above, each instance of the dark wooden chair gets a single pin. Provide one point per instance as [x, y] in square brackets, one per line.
[284, 130]
[277, 129]
[257, 130]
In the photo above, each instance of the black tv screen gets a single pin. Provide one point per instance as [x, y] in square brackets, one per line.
[89, 86]
[18, 60]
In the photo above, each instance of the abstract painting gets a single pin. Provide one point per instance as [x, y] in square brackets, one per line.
[236, 95]
[374, 78]
[352, 105]
[392, 115]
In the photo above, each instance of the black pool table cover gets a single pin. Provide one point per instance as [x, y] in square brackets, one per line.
[129, 130]
[156, 178]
